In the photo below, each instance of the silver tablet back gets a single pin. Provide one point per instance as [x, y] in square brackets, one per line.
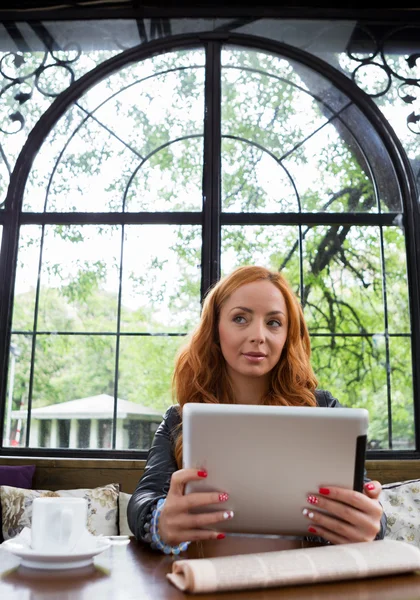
[269, 458]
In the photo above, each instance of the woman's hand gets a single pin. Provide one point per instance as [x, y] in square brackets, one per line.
[353, 516]
[177, 524]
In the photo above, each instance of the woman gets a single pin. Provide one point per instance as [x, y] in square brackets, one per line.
[250, 346]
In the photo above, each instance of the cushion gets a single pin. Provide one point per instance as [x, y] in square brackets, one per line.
[18, 476]
[102, 508]
[401, 503]
[123, 523]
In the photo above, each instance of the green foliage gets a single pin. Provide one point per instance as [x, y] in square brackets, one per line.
[69, 367]
[282, 151]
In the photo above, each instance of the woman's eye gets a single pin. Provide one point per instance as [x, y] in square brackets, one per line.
[239, 319]
[274, 323]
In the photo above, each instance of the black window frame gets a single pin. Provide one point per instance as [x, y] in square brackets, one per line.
[213, 219]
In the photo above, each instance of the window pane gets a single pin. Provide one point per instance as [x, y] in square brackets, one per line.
[266, 101]
[79, 278]
[72, 367]
[293, 142]
[353, 369]
[402, 393]
[26, 277]
[132, 142]
[396, 280]
[49, 184]
[145, 370]
[253, 180]
[161, 278]
[73, 379]
[268, 246]
[369, 150]
[330, 173]
[343, 280]
[15, 416]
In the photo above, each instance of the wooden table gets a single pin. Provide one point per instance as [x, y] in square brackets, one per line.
[132, 572]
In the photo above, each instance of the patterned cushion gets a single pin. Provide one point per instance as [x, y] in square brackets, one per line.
[123, 523]
[102, 508]
[401, 503]
[18, 476]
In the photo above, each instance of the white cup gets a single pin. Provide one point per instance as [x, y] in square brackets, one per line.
[58, 524]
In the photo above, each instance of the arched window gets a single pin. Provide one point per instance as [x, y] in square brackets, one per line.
[165, 166]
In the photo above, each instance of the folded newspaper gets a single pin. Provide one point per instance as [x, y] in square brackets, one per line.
[295, 567]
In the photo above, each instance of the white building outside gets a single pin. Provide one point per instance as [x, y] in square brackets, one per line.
[87, 423]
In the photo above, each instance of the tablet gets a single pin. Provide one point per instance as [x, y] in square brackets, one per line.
[269, 458]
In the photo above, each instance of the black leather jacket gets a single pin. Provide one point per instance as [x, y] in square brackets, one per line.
[161, 463]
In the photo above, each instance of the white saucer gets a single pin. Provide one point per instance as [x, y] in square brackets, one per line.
[36, 560]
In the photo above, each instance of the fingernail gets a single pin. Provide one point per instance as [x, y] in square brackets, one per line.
[370, 486]
[324, 491]
[202, 473]
[220, 536]
[223, 497]
[228, 514]
[311, 529]
[308, 514]
[312, 499]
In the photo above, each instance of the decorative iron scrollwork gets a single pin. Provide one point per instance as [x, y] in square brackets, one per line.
[378, 54]
[396, 55]
[24, 72]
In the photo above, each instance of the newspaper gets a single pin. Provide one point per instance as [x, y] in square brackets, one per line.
[295, 567]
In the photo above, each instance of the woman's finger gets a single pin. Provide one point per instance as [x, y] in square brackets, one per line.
[372, 489]
[364, 512]
[362, 530]
[180, 478]
[345, 496]
[204, 519]
[199, 535]
[329, 536]
[192, 527]
[200, 499]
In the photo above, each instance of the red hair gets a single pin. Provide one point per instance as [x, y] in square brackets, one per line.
[200, 373]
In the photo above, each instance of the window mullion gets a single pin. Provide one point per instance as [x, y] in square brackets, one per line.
[210, 257]
[8, 264]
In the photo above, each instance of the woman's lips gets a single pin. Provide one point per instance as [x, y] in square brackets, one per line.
[254, 357]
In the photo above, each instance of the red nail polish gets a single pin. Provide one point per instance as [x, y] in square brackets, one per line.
[311, 529]
[223, 497]
[202, 473]
[370, 486]
[311, 499]
[221, 536]
[324, 491]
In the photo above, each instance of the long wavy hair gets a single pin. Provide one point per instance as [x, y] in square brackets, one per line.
[200, 373]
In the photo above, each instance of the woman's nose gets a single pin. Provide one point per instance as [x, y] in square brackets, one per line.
[257, 334]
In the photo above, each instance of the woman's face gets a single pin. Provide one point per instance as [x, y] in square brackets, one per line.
[253, 327]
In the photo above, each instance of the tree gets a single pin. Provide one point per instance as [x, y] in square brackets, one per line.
[282, 151]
